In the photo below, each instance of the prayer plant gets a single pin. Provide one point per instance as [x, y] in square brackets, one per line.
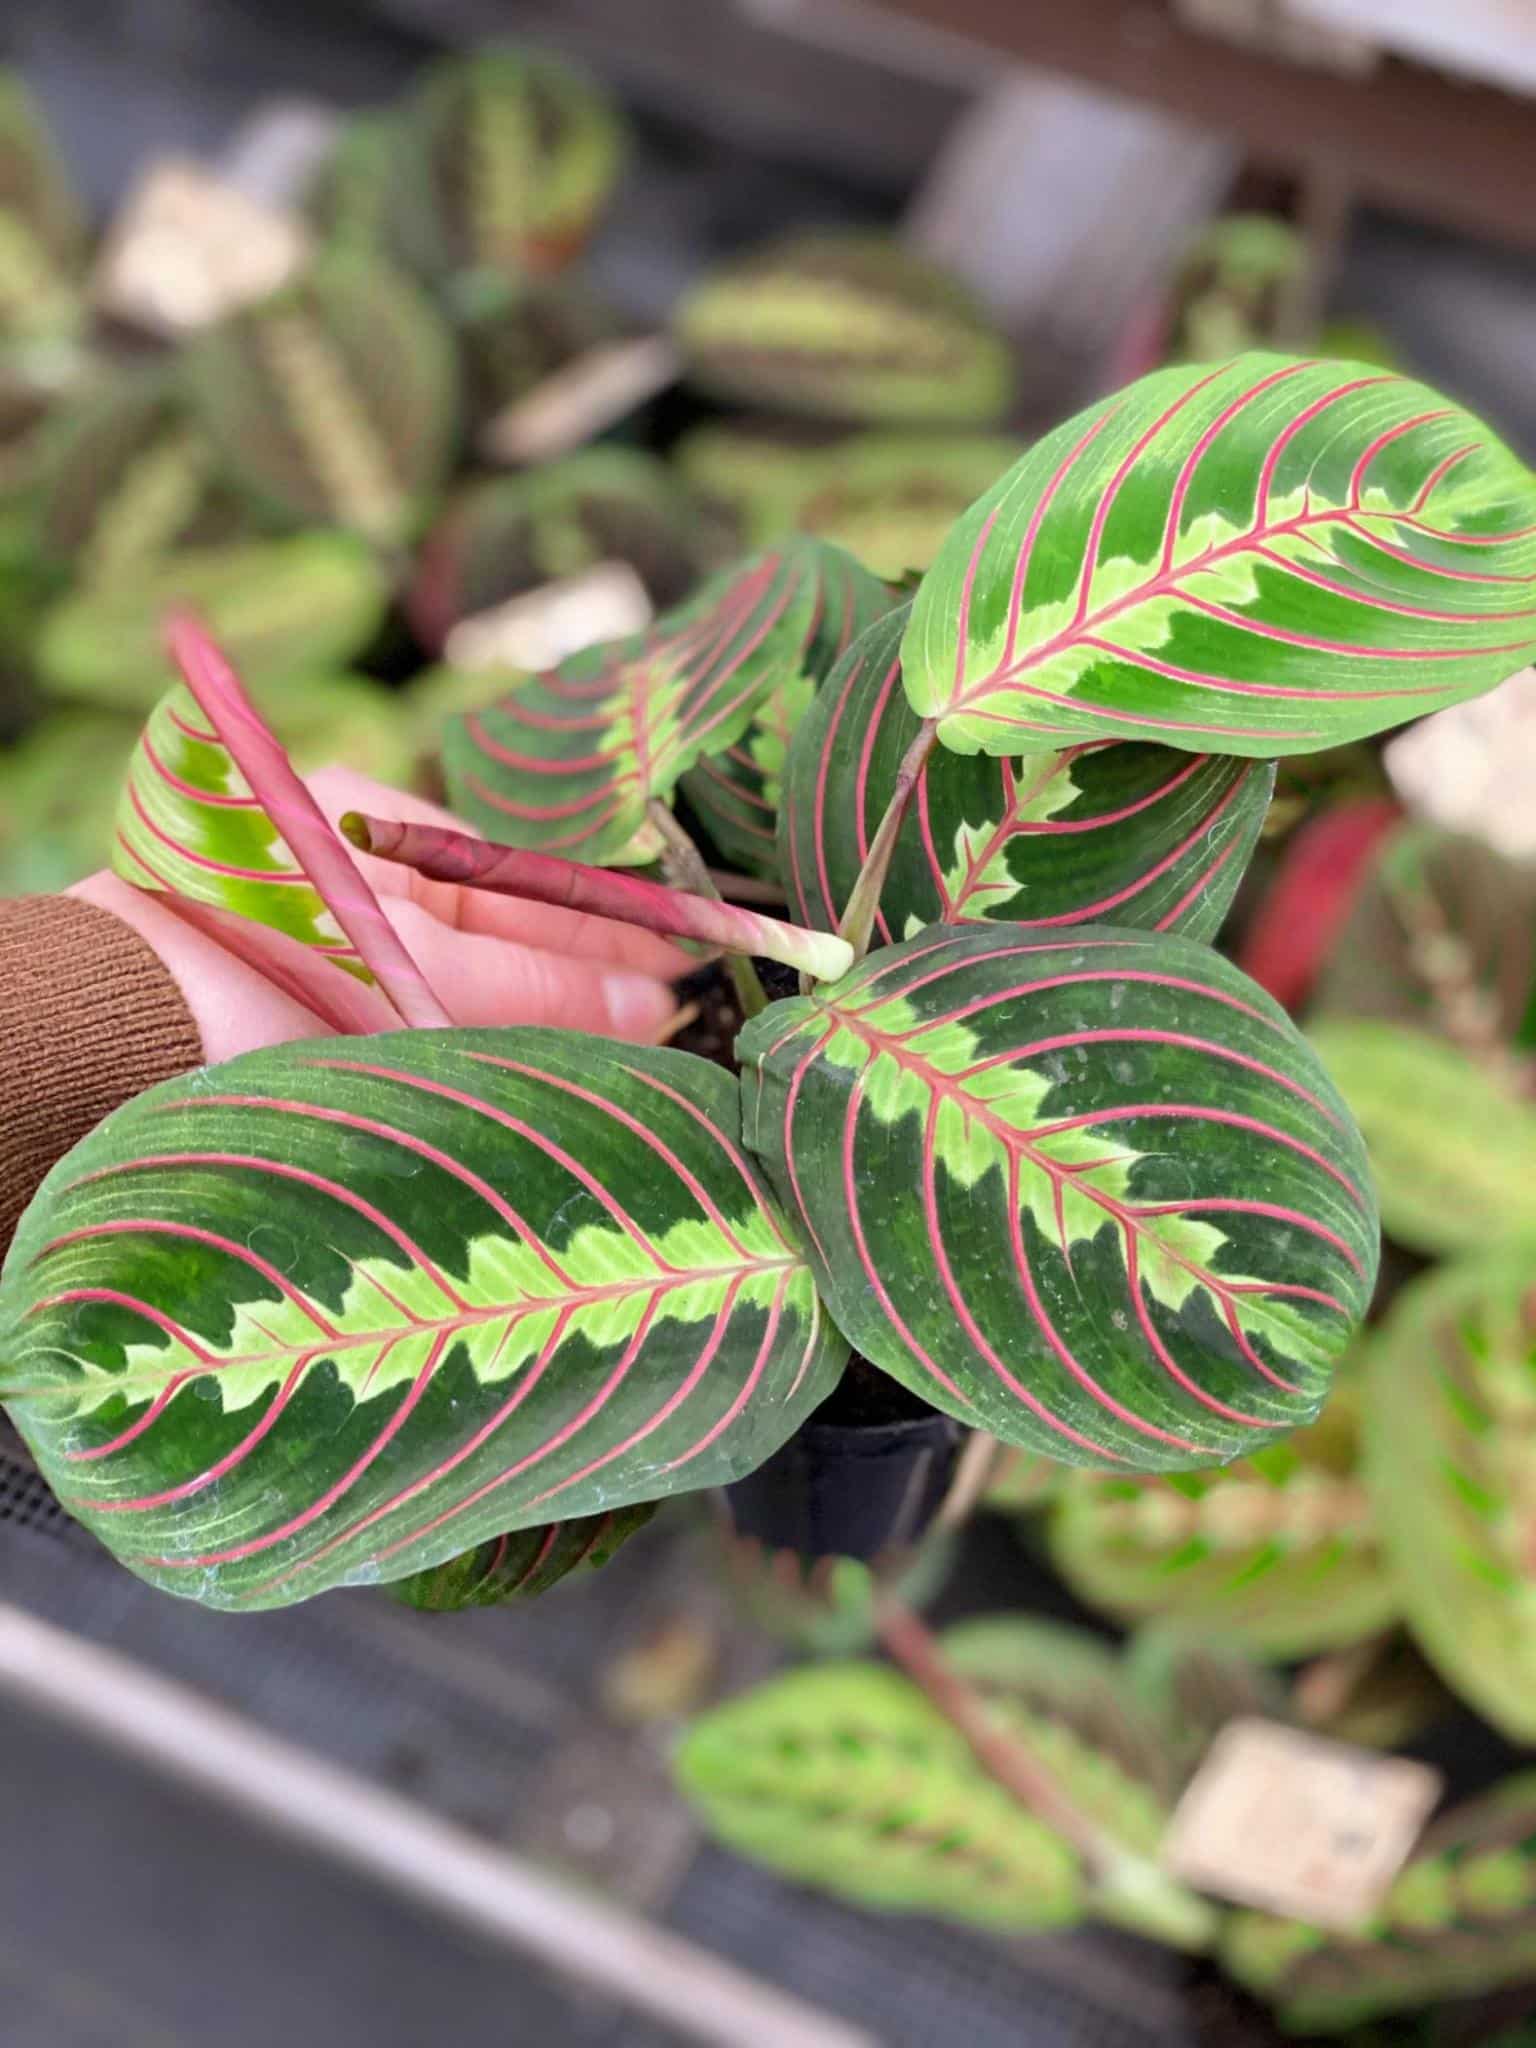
[346, 1310]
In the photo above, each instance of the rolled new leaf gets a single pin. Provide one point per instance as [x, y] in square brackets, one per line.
[503, 162]
[1144, 836]
[335, 401]
[521, 1565]
[283, 608]
[735, 790]
[1268, 557]
[338, 1311]
[1452, 1143]
[568, 762]
[448, 856]
[1093, 1194]
[1460, 1920]
[847, 325]
[1276, 1554]
[1449, 1430]
[845, 1777]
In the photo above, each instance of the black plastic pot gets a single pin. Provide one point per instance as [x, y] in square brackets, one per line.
[863, 1478]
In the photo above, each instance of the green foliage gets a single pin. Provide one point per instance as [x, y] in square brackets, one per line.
[1460, 1919]
[1276, 1554]
[1143, 835]
[282, 608]
[504, 160]
[335, 401]
[521, 1565]
[1450, 1449]
[845, 1777]
[42, 246]
[1025, 1168]
[1453, 1148]
[1269, 557]
[279, 1326]
[847, 325]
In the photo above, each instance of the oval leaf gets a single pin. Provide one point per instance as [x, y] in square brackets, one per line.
[521, 1564]
[1093, 1195]
[276, 1327]
[1277, 1553]
[567, 762]
[844, 1776]
[1144, 835]
[1459, 1921]
[735, 791]
[1450, 1430]
[1267, 557]
[1453, 1147]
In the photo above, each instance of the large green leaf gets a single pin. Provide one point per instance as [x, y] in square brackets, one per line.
[735, 790]
[1144, 835]
[567, 762]
[334, 402]
[1450, 1450]
[1452, 1146]
[1459, 1920]
[338, 1311]
[1267, 557]
[1277, 1553]
[844, 1776]
[297, 606]
[1092, 1194]
[521, 1564]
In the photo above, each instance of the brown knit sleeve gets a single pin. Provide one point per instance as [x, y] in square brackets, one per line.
[88, 1017]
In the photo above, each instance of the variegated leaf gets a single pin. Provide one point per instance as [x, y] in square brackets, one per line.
[1091, 1194]
[293, 607]
[735, 791]
[567, 762]
[1452, 1142]
[1277, 1554]
[334, 402]
[845, 1777]
[521, 1564]
[1459, 1920]
[848, 325]
[337, 1311]
[503, 159]
[1267, 557]
[1144, 836]
[1450, 1459]
[1192, 1682]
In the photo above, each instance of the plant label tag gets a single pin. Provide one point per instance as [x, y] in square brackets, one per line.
[1472, 768]
[189, 248]
[1293, 1823]
[581, 400]
[537, 629]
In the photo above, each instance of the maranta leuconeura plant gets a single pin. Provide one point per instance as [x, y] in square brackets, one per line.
[344, 1311]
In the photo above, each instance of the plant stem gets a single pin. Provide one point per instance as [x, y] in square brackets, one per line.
[859, 915]
[1126, 1888]
[683, 866]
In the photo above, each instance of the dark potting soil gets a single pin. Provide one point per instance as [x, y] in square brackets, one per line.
[712, 1034]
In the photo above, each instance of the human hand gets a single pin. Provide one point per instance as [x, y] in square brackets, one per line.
[490, 959]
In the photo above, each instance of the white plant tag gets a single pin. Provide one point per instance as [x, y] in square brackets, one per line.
[537, 629]
[1293, 1823]
[188, 248]
[582, 400]
[1473, 768]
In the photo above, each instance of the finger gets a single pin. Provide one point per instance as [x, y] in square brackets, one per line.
[337, 789]
[485, 980]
